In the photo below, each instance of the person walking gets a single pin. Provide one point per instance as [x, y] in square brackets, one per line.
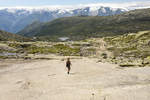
[68, 64]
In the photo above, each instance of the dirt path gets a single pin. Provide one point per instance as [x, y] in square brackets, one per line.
[48, 80]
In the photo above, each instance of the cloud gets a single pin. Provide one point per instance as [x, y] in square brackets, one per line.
[136, 5]
[131, 5]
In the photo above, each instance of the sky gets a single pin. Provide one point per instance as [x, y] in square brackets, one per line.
[12, 3]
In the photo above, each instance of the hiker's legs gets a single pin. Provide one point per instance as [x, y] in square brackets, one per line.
[69, 70]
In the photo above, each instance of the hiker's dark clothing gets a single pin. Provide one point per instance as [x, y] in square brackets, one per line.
[68, 63]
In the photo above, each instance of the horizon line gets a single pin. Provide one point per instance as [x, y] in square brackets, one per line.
[82, 4]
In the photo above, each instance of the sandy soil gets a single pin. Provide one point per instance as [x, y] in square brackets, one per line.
[48, 80]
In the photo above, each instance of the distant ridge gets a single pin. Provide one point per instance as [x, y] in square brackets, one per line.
[81, 27]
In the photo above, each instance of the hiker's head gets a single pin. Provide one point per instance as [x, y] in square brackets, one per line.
[68, 59]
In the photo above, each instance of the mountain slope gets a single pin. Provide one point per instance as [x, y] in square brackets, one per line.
[94, 26]
[35, 25]
[6, 36]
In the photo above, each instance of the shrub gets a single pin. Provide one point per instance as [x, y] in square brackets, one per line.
[127, 65]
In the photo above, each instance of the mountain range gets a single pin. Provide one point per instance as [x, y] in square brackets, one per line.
[81, 27]
[15, 19]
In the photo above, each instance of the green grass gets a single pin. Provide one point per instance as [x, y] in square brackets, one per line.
[63, 49]
[3, 57]
[91, 49]
[60, 49]
[76, 44]
[6, 36]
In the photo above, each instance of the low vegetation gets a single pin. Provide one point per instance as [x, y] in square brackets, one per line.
[128, 50]
[133, 47]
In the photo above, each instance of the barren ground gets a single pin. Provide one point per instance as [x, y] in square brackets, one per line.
[89, 80]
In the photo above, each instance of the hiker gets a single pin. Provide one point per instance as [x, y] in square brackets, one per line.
[68, 64]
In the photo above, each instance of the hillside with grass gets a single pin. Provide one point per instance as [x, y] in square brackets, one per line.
[6, 36]
[130, 49]
[81, 27]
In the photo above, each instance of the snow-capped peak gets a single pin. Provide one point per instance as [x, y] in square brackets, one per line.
[61, 7]
[93, 8]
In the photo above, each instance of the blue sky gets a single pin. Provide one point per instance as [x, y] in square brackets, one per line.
[59, 2]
